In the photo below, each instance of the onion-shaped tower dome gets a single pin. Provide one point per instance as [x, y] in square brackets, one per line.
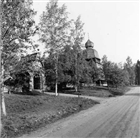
[90, 52]
[89, 44]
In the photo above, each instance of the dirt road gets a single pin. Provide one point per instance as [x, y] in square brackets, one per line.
[114, 118]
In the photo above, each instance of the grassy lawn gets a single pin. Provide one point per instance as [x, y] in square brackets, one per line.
[26, 113]
[99, 91]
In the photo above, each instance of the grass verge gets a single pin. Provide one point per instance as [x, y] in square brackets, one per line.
[119, 91]
[99, 91]
[26, 113]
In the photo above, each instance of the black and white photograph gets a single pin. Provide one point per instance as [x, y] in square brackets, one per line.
[69, 69]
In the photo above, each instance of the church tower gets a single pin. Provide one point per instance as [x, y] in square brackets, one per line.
[91, 54]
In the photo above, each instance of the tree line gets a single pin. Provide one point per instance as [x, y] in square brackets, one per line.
[126, 74]
[63, 40]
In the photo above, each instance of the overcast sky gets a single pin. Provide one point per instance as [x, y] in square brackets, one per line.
[113, 25]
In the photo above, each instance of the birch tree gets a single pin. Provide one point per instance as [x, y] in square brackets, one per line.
[53, 27]
[1, 45]
[77, 36]
[17, 26]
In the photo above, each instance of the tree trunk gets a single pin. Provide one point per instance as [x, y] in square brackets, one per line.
[76, 88]
[76, 72]
[56, 73]
[56, 89]
[2, 104]
[2, 87]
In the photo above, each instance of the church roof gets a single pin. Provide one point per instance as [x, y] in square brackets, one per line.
[96, 54]
[90, 52]
[89, 44]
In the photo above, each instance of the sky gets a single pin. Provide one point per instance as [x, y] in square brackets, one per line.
[113, 25]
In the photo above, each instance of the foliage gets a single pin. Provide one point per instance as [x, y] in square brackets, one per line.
[114, 75]
[125, 77]
[28, 65]
[49, 66]
[63, 39]
[53, 32]
[93, 70]
[67, 68]
[67, 60]
[17, 28]
[19, 80]
[53, 26]
[130, 67]
[137, 72]
[77, 36]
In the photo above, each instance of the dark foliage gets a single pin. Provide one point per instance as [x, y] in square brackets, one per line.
[20, 79]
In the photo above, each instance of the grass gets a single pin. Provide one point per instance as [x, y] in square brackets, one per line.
[99, 91]
[26, 113]
[119, 91]
[96, 92]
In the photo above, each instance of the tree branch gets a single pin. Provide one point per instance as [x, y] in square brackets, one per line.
[13, 39]
[5, 33]
[13, 23]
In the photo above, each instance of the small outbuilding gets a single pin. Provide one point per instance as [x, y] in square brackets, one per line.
[29, 71]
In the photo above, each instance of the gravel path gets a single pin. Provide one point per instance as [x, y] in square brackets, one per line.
[117, 117]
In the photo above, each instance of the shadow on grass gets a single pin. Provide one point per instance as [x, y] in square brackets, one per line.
[132, 94]
[34, 93]
[24, 118]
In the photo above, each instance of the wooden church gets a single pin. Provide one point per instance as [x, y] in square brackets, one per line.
[91, 54]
